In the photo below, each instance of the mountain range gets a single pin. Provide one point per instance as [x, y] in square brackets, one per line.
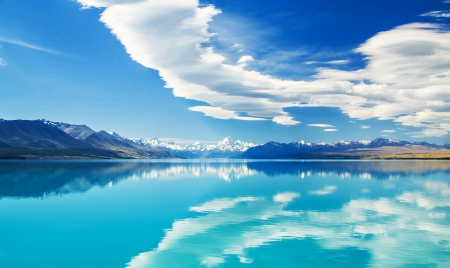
[47, 139]
[377, 148]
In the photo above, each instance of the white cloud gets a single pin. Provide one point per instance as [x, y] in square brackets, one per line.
[333, 62]
[389, 131]
[285, 120]
[329, 189]
[364, 126]
[320, 125]
[408, 68]
[337, 62]
[330, 130]
[220, 113]
[244, 59]
[437, 14]
[2, 62]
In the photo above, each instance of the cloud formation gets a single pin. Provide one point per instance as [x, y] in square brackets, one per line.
[406, 78]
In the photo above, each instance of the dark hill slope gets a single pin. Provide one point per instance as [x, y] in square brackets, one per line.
[34, 134]
[38, 139]
[34, 139]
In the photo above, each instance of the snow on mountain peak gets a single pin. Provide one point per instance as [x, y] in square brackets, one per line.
[225, 145]
[115, 135]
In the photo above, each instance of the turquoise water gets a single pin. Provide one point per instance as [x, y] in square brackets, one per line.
[224, 214]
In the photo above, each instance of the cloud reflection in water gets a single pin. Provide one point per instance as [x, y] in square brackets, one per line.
[409, 229]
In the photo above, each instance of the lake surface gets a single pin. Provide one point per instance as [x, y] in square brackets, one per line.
[222, 213]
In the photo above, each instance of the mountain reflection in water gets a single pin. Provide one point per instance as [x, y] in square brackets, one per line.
[225, 213]
[46, 178]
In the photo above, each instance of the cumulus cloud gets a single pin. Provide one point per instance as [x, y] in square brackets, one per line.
[408, 69]
[409, 229]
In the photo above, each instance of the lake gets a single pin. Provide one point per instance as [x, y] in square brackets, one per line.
[224, 213]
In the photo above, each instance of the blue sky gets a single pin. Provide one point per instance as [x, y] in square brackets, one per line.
[254, 70]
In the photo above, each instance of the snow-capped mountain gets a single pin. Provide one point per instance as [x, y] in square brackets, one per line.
[41, 134]
[225, 148]
[340, 149]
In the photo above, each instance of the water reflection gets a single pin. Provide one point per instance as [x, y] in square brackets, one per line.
[38, 179]
[411, 228]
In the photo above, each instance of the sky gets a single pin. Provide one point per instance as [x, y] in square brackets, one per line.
[258, 71]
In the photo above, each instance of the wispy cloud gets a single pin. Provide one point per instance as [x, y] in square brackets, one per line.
[333, 62]
[327, 127]
[364, 126]
[388, 131]
[408, 69]
[437, 14]
[34, 47]
[338, 62]
[320, 125]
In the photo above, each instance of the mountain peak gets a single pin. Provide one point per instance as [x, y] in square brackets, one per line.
[115, 135]
[227, 140]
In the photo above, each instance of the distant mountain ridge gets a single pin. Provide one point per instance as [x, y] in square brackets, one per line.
[341, 149]
[42, 138]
